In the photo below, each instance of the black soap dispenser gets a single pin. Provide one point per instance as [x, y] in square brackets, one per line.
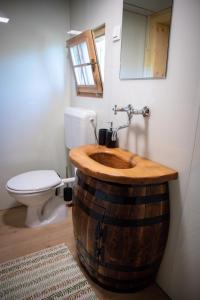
[110, 143]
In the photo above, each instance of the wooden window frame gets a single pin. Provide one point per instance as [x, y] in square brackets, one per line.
[95, 90]
[99, 31]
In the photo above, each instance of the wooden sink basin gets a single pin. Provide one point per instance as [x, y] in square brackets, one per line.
[118, 165]
[111, 160]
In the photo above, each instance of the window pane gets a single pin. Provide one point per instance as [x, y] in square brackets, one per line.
[83, 53]
[79, 76]
[100, 46]
[75, 55]
[88, 75]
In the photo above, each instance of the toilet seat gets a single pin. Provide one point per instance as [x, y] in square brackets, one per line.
[34, 182]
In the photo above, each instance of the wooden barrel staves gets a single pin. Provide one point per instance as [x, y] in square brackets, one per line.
[120, 231]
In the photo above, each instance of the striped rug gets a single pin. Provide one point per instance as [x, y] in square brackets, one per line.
[51, 273]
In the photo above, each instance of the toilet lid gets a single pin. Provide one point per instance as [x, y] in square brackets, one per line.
[34, 181]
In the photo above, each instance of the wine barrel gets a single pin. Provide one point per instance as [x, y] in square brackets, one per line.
[120, 231]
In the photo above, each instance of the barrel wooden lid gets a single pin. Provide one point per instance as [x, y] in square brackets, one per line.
[118, 165]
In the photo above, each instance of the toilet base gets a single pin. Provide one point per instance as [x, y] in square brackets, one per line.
[53, 211]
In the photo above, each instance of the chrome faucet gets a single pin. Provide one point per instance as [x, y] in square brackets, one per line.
[145, 112]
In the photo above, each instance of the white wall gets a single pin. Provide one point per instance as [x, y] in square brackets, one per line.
[169, 136]
[186, 269]
[34, 88]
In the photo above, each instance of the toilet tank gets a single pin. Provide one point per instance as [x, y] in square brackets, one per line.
[78, 127]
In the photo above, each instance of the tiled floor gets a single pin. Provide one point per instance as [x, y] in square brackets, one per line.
[17, 240]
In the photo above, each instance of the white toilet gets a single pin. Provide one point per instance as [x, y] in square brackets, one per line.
[36, 189]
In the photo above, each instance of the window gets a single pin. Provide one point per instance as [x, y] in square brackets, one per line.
[87, 56]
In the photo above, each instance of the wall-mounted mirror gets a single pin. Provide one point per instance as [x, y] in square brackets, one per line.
[145, 38]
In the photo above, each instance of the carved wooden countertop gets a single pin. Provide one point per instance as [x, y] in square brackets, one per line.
[118, 165]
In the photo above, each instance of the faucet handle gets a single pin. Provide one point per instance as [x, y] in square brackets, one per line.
[146, 111]
[127, 108]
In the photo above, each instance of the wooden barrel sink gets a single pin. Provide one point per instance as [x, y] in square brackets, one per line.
[120, 231]
[120, 227]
